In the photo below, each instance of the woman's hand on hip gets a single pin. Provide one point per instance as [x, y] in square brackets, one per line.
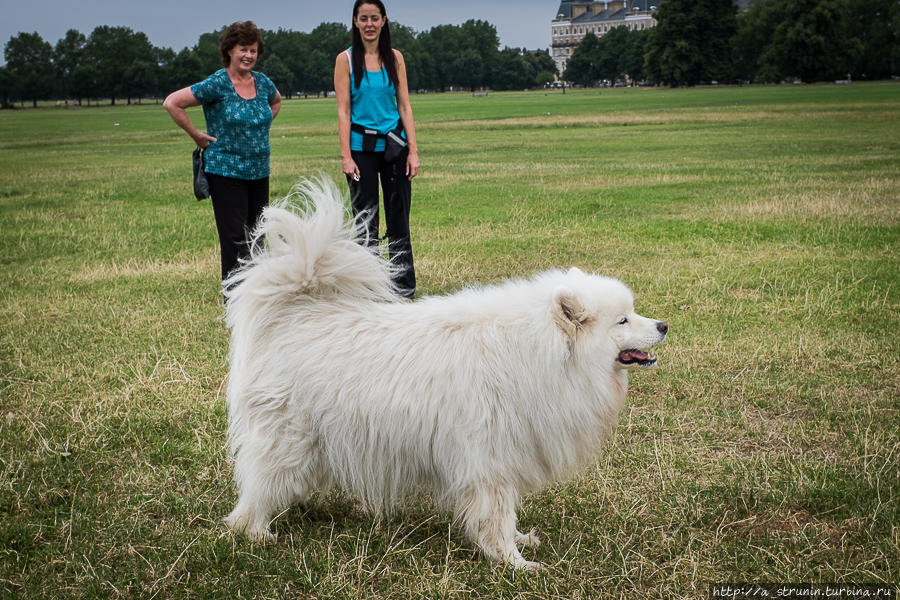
[412, 165]
[203, 140]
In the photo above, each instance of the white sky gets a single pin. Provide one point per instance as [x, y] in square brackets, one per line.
[178, 23]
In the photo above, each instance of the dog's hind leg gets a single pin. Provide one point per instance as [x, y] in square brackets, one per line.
[488, 516]
[252, 514]
[270, 479]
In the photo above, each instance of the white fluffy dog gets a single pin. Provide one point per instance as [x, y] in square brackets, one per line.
[479, 397]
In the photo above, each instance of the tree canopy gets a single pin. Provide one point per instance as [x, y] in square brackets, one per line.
[698, 41]
[695, 41]
[117, 63]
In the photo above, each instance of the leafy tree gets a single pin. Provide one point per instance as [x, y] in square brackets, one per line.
[291, 48]
[6, 87]
[755, 28]
[464, 56]
[614, 56]
[67, 55]
[318, 73]
[442, 44]
[812, 40]
[815, 40]
[468, 69]
[330, 38]
[165, 57]
[513, 71]
[86, 82]
[185, 69]
[113, 50]
[691, 42]
[280, 75]
[581, 68]
[140, 79]
[631, 57]
[426, 70]
[608, 52]
[877, 27]
[484, 43]
[207, 51]
[325, 42]
[544, 78]
[541, 62]
[29, 60]
[404, 39]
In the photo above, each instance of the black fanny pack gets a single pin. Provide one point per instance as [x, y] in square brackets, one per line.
[393, 141]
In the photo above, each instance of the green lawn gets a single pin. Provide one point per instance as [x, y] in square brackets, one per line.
[763, 223]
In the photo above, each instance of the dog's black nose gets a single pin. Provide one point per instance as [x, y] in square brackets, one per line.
[662, 327]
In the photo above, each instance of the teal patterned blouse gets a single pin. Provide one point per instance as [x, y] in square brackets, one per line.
[240, 126]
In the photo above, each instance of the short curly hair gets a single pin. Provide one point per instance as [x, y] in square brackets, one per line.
[242, 33]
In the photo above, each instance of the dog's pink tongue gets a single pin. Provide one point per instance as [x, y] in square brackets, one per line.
[632, 355]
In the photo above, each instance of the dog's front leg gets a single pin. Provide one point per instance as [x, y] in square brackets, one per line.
[488, 516]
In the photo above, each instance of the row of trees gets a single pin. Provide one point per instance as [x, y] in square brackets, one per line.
[694, 41]
[709, 40]
[121, 64]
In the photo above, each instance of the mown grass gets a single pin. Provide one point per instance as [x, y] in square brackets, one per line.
[763, 223]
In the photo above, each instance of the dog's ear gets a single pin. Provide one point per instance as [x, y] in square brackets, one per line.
[568, 311]
[575, 271]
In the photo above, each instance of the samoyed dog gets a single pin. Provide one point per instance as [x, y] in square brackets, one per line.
[479, 397]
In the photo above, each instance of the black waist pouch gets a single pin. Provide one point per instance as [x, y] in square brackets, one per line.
[393, 141]
[393, 145]
[370, 138]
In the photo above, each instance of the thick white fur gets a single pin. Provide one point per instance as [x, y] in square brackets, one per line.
[481, 396]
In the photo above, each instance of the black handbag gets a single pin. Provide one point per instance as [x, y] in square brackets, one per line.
[201, 185]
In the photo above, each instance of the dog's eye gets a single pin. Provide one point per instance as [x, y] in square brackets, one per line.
[623, 320]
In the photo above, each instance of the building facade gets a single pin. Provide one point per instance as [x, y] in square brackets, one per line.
[576, 18]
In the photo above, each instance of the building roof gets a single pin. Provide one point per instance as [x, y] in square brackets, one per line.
[565, 10]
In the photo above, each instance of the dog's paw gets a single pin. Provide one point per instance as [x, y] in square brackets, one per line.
[263, 536]
[253, 532]
[527, 565]
[514, 558]
[529, 540]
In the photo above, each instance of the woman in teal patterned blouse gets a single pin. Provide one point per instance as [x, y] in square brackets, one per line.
[238, 105]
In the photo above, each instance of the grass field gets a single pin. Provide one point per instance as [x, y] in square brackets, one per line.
[763, 223]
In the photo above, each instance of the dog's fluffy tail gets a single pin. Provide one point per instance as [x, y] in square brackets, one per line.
[305, 247]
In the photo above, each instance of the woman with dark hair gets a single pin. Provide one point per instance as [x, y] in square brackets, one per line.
[374, 120]
[238, 105]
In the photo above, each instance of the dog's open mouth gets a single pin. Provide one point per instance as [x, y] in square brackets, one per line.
[636, 357]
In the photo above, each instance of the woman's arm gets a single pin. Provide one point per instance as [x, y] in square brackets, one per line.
[406, 117]
[176, 103]
[342, 91]
[275, 104]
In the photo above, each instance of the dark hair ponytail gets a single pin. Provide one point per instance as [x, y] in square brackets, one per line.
[385, 50]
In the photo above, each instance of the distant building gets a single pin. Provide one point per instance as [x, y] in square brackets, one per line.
[575, 18]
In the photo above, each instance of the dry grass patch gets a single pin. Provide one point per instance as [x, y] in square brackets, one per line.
[870, 201]
[181, 266]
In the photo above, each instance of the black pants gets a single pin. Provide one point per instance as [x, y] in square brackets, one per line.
[237, 204]
[397, 192]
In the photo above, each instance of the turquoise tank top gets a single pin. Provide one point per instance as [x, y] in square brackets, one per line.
[373, 105]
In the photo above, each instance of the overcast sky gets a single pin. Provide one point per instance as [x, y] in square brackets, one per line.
[178, 23]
